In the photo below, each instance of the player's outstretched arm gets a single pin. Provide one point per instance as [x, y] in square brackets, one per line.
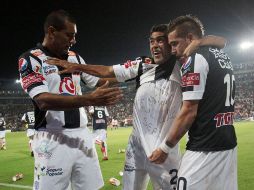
[102, 96]
[210, 40]
[96, 70]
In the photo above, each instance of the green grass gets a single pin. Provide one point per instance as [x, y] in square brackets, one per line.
[17, 157]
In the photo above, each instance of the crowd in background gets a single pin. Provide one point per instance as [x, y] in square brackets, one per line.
[14, 102]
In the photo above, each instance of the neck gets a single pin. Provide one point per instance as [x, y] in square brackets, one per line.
[50, 47]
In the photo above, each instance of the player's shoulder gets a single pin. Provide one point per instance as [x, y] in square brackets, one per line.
[35, 51]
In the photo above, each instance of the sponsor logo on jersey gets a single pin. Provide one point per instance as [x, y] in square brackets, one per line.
[224, 119]
[36, 52]
[43, 150]
[38, 69]
[22, 64]
[32, 78]
[191, 79]
[128, 168]
[222, 58]
[67, 86]
[100, 121]
[48, 69]
[47, 171]
[130, 63]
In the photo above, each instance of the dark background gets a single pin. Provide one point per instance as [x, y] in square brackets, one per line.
[110, 32]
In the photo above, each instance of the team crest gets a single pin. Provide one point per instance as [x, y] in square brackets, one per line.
[22, 64]
[67, 87]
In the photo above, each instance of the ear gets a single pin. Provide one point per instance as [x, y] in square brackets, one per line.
[189, 37]
[51, 30]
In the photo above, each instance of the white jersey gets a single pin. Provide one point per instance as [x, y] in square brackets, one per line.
[157, 101]
[38, 77]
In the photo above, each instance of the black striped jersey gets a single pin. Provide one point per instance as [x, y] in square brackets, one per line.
[158, 98]
[2, 124]
[208, 76]
[99, 116]
[37, 77]
[29, 119]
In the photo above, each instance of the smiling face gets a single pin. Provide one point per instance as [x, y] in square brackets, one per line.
[159, 47]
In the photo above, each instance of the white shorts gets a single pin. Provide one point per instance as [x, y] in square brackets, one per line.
[64, 157]
[138, 168]
[100, 135]
[208, 170]
[30, 132]
[2, 134]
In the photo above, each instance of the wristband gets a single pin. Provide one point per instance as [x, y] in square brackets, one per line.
[165, 148]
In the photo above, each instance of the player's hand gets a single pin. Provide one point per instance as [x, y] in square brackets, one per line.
[158, 156]
[68, 67]
[104, 96]
[191, 48]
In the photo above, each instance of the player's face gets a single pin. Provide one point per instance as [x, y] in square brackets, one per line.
[159, 47]
[178, 44]
[64, 39]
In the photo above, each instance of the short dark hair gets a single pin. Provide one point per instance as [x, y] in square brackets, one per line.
[187, 24]
[57, 20]
[160, 28]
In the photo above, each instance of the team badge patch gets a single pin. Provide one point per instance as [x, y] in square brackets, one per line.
[22, 64]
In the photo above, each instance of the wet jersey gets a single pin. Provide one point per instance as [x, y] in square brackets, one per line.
[28, 117]
[99, 114]
[37, 77]
[158, 98]
[208, 76]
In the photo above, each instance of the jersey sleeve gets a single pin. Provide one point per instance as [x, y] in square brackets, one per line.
[89, 80]
[31, 77]
[194, 74]
[128, 70]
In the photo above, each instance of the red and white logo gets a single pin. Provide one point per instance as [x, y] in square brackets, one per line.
[224, 119]
[67, 86]
[191, 79]
[130, 63]
[22, 64]
[32, 78]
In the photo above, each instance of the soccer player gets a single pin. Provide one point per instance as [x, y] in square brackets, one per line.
[64, 151]
[158, 99]
[114, 123]
[2, 132]
[99, 118]
[208, 85]
[28, 119]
